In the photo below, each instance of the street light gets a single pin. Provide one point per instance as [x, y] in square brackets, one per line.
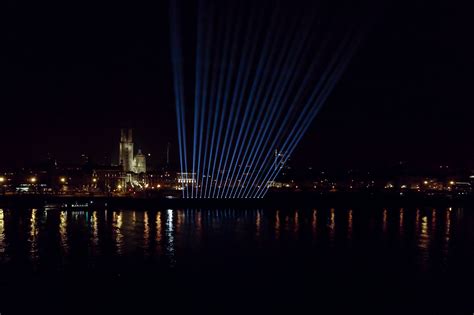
[2, 179]
[94, 180]
[33, 179]
[62, 179]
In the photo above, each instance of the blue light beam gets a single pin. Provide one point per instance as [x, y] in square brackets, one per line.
[249, 109]
[283, 73]
[318, 103]
[287, 122]
[250, 46]
[176, 57]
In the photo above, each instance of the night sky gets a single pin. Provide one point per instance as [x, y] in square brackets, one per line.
[73, 73]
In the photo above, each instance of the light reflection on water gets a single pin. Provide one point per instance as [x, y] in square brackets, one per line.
[169, 230]
[117, 231]
[95, 231]
[314, 222]
[332, 225]
[277, 224]
[384, 221]
[158, 238]
[296, 225]
[2, 233]
[447, 236]
[146, 232]
[63, 231]
[424, 240]
[257, 224]
[167, 236]
[401, 222]
[349, 225]
[33, 239]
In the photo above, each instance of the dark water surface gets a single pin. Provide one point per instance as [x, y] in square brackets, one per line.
[296, 261]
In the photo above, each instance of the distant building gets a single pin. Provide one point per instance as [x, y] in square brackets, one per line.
[126, 150]
[109, 178]
[186, 178]
[129, 162]
[139, 163]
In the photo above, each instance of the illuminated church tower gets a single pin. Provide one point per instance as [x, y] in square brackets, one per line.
[139, 163]
[126, 150]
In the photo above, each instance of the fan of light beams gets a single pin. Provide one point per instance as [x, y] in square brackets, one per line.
[260, 73]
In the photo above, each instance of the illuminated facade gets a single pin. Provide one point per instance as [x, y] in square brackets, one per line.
[129, 162]
[186, 178]
[126, 150]
[131, 165]
[139, 163]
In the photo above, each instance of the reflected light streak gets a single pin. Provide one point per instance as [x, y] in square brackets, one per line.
[158, 235]
[349, 225]
[314, 222]
[296, 225]
[95, 230]
[400, 228]
[277, 224]
[332, 224]
[447, 236]
[424, 241]
[63, 231]
[448, 225]
[199, 224]
[257, 224]
[146, 231]
[169, 230]
[180, 219]
[424, 232]
[2, 232]
[33, 239]
[117, 230]
[384, 221]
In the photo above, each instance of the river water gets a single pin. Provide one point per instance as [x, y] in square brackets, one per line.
[374, 260]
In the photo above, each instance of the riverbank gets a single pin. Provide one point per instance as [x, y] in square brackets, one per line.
[281, 199]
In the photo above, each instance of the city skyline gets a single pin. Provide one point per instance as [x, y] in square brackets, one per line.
[110, 155]
[236, 156]
[376, 115]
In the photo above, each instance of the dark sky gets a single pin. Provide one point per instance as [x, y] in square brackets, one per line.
[73, 72]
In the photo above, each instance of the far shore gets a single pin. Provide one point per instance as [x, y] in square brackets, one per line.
[272, 200]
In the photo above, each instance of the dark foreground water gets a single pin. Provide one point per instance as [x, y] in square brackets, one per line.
[298, 261]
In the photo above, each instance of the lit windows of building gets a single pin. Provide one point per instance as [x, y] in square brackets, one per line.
[186, 178]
